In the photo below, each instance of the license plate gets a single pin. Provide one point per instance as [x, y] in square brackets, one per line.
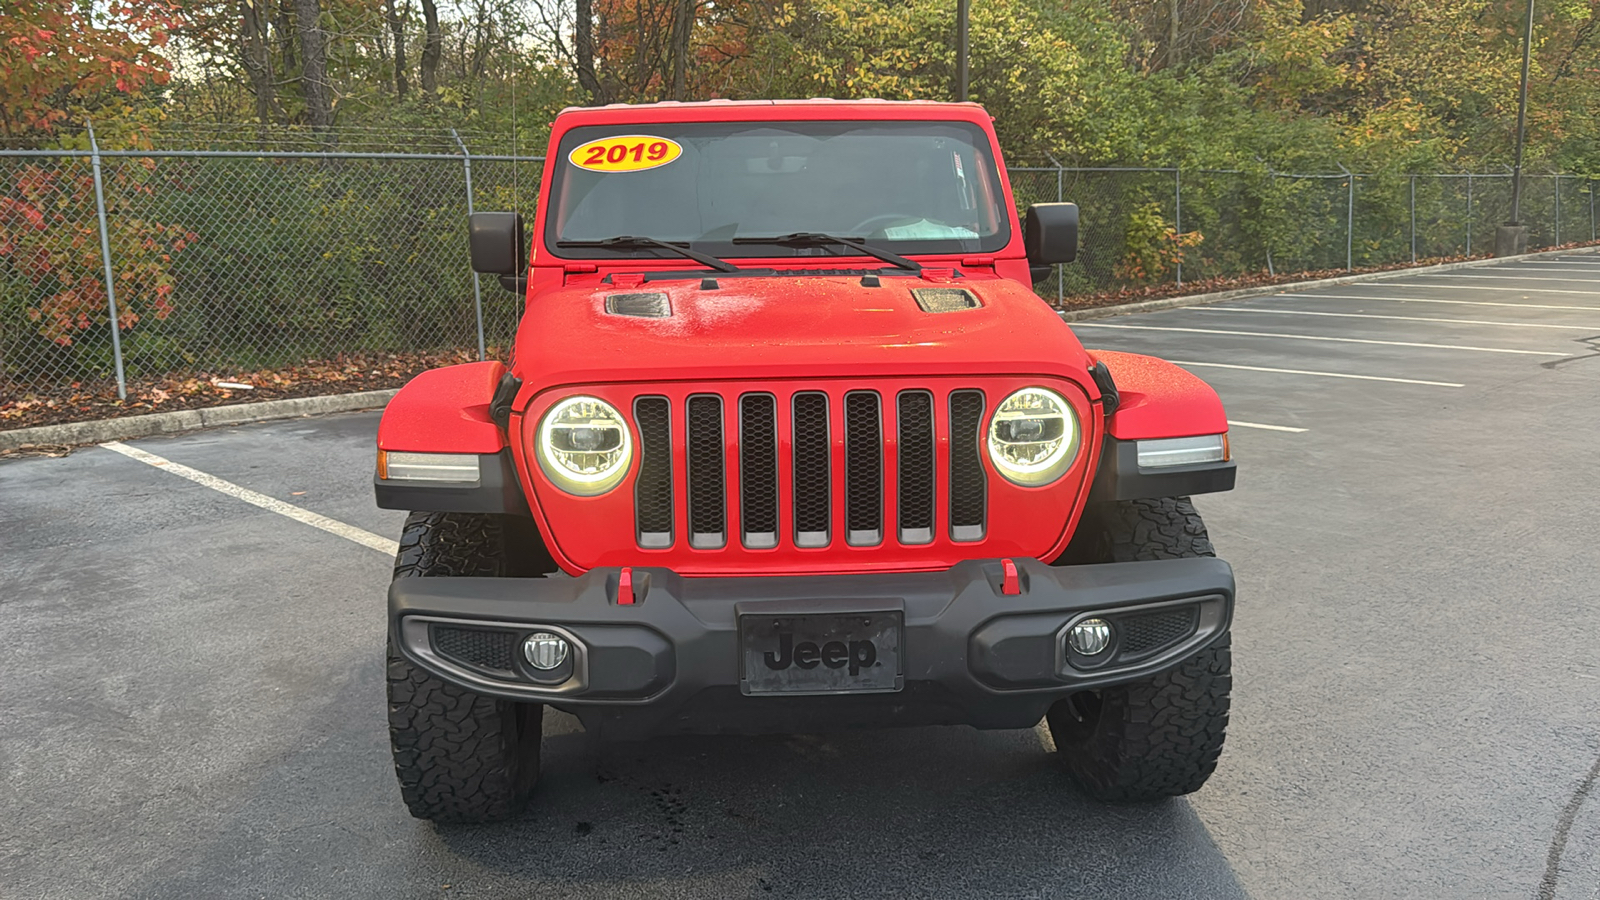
[844, 653]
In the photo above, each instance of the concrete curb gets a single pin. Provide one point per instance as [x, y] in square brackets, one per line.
[190, 419]
[1100, 312]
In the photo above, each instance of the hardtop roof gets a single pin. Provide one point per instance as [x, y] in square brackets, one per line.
[820, 108]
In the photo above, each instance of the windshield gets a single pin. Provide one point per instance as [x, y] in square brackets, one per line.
[907, 187]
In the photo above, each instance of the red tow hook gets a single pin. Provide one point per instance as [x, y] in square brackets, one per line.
[1011, 583]
[625, 587]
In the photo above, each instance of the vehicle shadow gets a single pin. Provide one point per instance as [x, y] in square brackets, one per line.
[926, 812]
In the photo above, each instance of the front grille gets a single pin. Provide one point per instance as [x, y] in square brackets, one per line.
[479, 648]
[916, 467]
[968, 484]
[758, 470]
[653, 490]
[812, 475]
[707, 473]
[812, 468]
[863, 469]
[1150, 632]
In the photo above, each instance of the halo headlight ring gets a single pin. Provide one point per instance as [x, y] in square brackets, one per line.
[584, 446]
[1033, 437]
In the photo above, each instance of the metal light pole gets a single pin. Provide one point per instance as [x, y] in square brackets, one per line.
[1512, 237]
[961, 50]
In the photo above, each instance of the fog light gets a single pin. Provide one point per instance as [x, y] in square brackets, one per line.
[1090, 637]
[545, 651]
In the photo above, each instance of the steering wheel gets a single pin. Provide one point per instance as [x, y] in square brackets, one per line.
[868, 226]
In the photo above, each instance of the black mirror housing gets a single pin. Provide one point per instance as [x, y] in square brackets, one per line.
[1050, 233]
[498, 245]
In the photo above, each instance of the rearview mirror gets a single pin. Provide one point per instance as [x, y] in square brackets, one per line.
[498, 246]
[1050, 233]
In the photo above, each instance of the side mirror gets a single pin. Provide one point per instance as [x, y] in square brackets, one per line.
[1050, 233]
[498, 245]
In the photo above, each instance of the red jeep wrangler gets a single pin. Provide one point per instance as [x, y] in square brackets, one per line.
[788, 444]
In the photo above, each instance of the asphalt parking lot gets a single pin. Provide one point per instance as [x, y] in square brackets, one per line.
[191, 694]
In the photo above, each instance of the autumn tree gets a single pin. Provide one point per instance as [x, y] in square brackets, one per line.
[59, 57]
[61, 62]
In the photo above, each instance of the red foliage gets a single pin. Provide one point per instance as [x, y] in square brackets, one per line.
[49, 233]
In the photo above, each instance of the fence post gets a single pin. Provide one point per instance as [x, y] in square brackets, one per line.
[477, 287]
[1349, 220]
[105, 259]
[1177, 214]
[1413, 220]
[1558, 212]
[1272, 182]
[1469, 213]
[1061, 268]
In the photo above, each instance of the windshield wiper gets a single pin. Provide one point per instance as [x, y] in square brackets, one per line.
[629, 241]
[814, 238]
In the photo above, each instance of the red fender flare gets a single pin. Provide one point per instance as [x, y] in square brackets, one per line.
[445, 410]
[1160, 399]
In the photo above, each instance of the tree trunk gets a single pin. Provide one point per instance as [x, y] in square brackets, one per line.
[682, 27]
[286, 35]
[314, 64]
[1174, 55]
[584, 39]
[258, 62]
[432, 47]
[397, 27]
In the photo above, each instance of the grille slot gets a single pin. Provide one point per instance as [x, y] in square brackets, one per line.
[479, 648]
[968, 486]
[1145, 634]
[812, 478]
[916, 467]
[653, 491]
[707, 473]
[863, 468]
[758, 470]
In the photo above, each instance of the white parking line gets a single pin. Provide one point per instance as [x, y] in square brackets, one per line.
[1183, 362]
[1485, 287]
[1434, 300]
[1556, 267]
[1485, 276]
[1318, 337]
[1594, 329]
[1268, 427]
[271, 504]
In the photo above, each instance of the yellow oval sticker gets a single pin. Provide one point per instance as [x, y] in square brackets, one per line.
[625, 153]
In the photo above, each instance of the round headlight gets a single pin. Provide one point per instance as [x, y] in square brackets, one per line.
[1033, 437]
[584, 446]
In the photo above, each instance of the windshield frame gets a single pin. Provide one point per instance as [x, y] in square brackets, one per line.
[987, 159]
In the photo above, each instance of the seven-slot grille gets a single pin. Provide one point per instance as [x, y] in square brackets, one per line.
[862, 425]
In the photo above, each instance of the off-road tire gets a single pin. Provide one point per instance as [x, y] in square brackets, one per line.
[460, 756]
[1161, 736]
[1135, 530]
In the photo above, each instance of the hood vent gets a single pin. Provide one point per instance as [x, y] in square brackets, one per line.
[651, 305]
[942, 300]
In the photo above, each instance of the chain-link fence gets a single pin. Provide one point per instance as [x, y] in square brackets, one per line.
[228, 261]
[1146, 226]
[237, 260]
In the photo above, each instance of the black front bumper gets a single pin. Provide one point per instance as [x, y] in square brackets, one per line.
[670, 662]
